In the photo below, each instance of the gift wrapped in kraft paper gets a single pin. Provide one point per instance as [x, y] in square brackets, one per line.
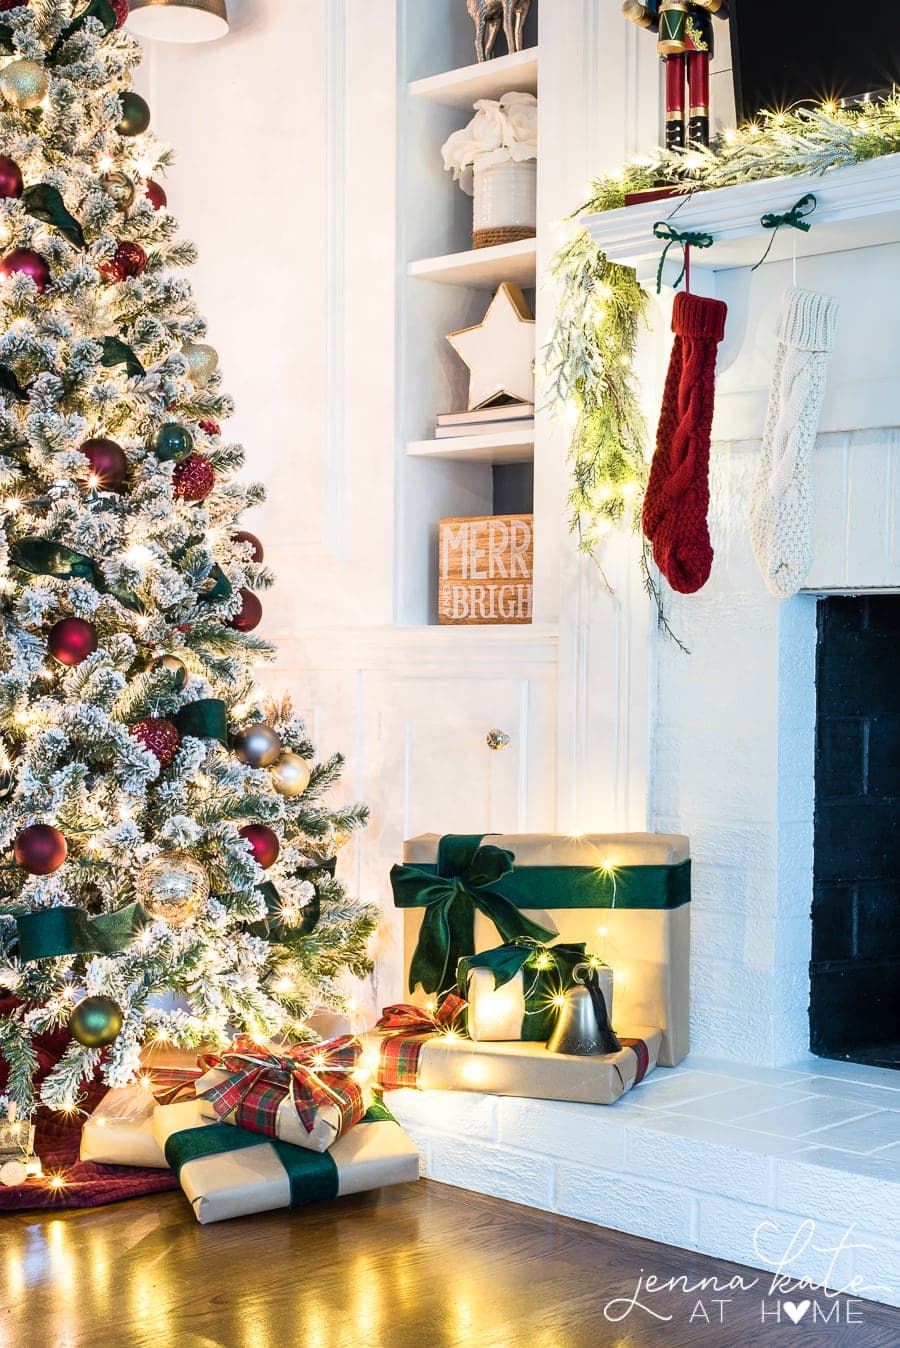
[228, 1172]
[119, 1131]
[514, 991]
[303, 1094]
[410, 1052]
[626, 895]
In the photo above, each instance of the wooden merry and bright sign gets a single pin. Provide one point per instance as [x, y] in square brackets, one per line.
[486, 569]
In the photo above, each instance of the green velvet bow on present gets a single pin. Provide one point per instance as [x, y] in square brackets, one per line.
[547, 972]
[466, 878]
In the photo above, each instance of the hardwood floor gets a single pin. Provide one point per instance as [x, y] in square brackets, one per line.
[419, 1266]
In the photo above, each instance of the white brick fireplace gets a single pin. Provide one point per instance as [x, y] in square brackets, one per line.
[752, 1128]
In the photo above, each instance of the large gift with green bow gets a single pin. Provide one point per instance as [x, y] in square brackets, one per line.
[229, 1172]
[626, 895]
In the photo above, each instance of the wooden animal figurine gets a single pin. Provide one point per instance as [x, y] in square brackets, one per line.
[489, 16]
[685, 46]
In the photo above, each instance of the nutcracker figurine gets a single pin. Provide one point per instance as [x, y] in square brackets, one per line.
[685, 45]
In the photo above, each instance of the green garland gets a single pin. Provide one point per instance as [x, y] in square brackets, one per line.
[589, 359]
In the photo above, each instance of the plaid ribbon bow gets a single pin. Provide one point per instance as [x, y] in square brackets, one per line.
[405, 1029]
[168, 1084]
[311, 1075]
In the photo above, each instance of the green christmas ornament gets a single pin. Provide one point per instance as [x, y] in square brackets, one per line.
[120, 187]
[135, 114]
[96, 1021]
[24, 84]
[202, 361]
[173, 442]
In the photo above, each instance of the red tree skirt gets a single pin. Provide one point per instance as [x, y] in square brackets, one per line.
[57, 1140]
[88, 1185]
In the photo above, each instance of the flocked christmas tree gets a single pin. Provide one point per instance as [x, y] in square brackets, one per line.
[164, 843]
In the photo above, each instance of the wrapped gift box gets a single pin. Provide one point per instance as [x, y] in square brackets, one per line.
[522, 1005]
[261, 1098]
[519, 1068]
[120, 1132]
[228, 1172]
[627, 895]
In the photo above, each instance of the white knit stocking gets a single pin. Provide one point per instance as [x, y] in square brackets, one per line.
[781, 504]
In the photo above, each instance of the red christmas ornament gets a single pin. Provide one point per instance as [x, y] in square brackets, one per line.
[29, 263]
[155, 195]
[244, 536]
[263, 843]
[11, 4]
[11, 184]
[250, 614]
[193, 478]
[71, 640]
[129, 259]
[210, 426]
[40, 849]
[119, 8]
[161, 737]
[107, 460]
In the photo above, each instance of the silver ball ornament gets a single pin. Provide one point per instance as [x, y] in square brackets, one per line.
[24, 83]
[120, 187]
[291, 774]
[202, 362]
[172, 887]
[257, 745]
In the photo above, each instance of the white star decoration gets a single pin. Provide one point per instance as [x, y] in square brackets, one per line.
[499, 350]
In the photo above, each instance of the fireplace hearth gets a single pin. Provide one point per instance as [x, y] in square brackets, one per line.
[854, 1000]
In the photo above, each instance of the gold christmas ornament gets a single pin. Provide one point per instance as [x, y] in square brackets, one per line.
[202, 362]
[120, 187]
[96, 1021]
[257, 745]
[24, 84]
[172, 887]
[172, 665]
[291, 774]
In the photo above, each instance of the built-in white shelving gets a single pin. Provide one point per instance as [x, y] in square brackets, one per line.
[486, 79]
[509, 447]
[482, 268]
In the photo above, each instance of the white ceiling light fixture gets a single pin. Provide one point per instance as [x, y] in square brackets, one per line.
[178, 20]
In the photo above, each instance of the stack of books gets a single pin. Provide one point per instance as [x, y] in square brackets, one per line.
[501, 419]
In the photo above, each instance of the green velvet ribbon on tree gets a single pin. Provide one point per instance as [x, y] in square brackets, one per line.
[312, 1175]
[205, 719]
[547, 971]
[45, 203]
[116, 352]
[465, 878]
[44, 557]
[51, 932]
[538, 888]
[272, 927]
[7, 42]
[10, 384]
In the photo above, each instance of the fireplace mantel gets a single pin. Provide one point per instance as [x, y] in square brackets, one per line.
[858, 207]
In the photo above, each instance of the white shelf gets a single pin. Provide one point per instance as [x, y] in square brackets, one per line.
[482, 268]
[485, 79]
[514, 446]
[858, 207]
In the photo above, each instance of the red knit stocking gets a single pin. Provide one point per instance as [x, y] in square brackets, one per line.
[677, 499]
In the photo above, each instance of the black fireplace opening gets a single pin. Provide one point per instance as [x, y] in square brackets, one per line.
[855, 970]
